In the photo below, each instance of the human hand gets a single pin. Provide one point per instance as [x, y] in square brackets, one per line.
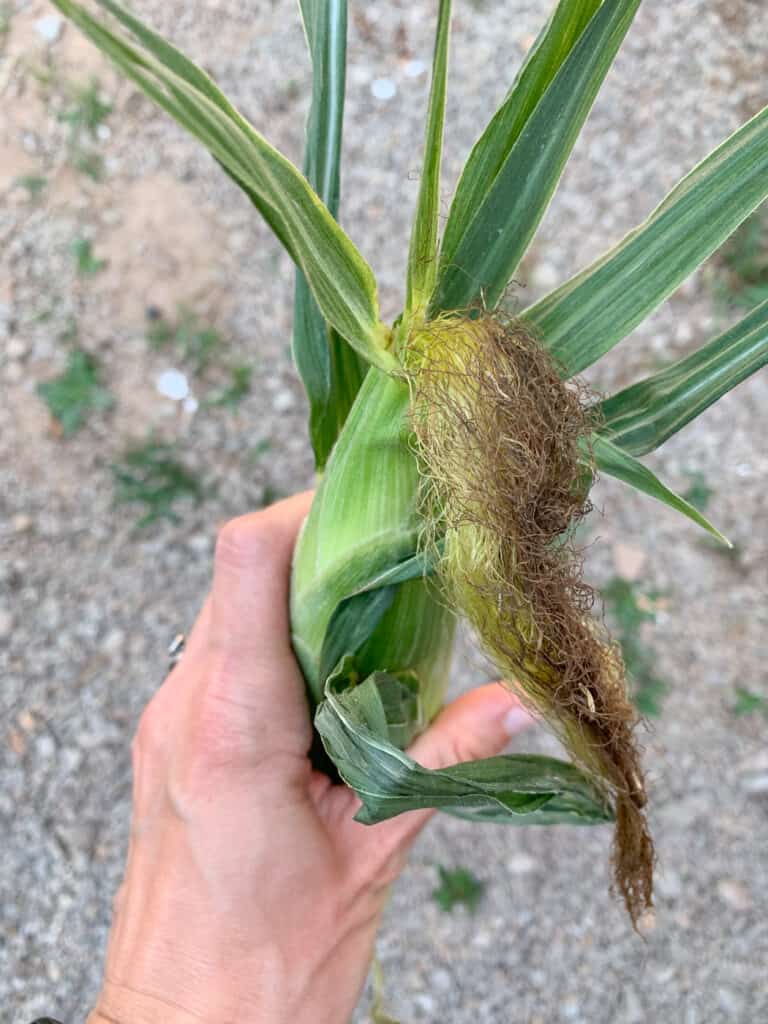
[250, 894]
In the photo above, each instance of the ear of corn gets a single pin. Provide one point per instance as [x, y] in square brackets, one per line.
[438, 495]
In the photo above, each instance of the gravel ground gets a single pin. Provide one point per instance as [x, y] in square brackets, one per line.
[88, 604]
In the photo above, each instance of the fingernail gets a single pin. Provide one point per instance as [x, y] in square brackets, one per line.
[516, 720]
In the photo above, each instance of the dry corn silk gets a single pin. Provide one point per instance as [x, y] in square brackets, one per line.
[456, 448]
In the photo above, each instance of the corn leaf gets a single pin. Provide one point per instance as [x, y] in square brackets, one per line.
[357, 616]
[422, 256]
[340, 279]
[495, 239]
[611, 459]
[588, 315]
[542, 63]
[359, 724]
[330, 369]
[644, 415]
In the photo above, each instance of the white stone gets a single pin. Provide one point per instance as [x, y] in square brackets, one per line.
[49, 27]
[734, 893]
[756, 784]
[521, 864]
[16, 348]
[173, 384]
[283, 401]
[383, 88]
[414, 68]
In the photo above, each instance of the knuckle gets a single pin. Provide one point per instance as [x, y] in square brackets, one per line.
[147, 739]
[248, 542]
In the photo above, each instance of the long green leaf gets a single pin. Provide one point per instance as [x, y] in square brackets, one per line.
[330, 369]
[642, 416]
[422, 256]
[359, 737]
[611, 459]
[498, 234]
[542, 63]
[340, 279]
[592, 312]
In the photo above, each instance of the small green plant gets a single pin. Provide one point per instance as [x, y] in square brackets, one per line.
[195, 342]
[35, 184]
[86, 264]
[698, 493]
[84, 115]
[239, 386]
[88, 162]
[454, 456]
[457, 886]
[152, 475]
[741, 276]
[87, 110]
[76, 393]
[629, 608]
[258, 451]
[749, 703]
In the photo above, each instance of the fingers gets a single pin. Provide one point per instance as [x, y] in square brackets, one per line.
[249, 601]
[478, 724]
[253, 686]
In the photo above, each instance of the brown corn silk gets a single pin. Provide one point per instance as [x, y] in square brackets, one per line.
[499, 438]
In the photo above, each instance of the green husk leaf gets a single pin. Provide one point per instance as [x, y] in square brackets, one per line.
[611, 459]
[330, 369]
[341, 281]
[422, 256]
[357, 616]
[585, 317]
[643, 416]
[542, 63]
[518, 789]
[496, 238]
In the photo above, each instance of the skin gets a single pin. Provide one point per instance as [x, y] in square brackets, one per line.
[249, 891]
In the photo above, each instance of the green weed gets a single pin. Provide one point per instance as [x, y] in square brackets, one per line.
[34, 184]
[75, 393]
[152, 475]
[748, 703]
[87, 110]
[698, 492]
[457, 885]
[86, 263]
[195, 342]
[238, 387]
[629, 608]
[741, 278]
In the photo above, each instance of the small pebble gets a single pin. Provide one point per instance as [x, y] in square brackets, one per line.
[173, 384]
[49, 27]
[16, 348]
[521, 864]
[756, 785]
[283, 401]
[383, 88]
[414, 68]
[734, 893]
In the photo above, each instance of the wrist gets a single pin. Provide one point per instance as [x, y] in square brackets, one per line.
[117, 1005]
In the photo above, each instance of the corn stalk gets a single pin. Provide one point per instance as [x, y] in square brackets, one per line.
[421, 452]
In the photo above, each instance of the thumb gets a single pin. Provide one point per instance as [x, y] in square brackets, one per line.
[476, 725]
